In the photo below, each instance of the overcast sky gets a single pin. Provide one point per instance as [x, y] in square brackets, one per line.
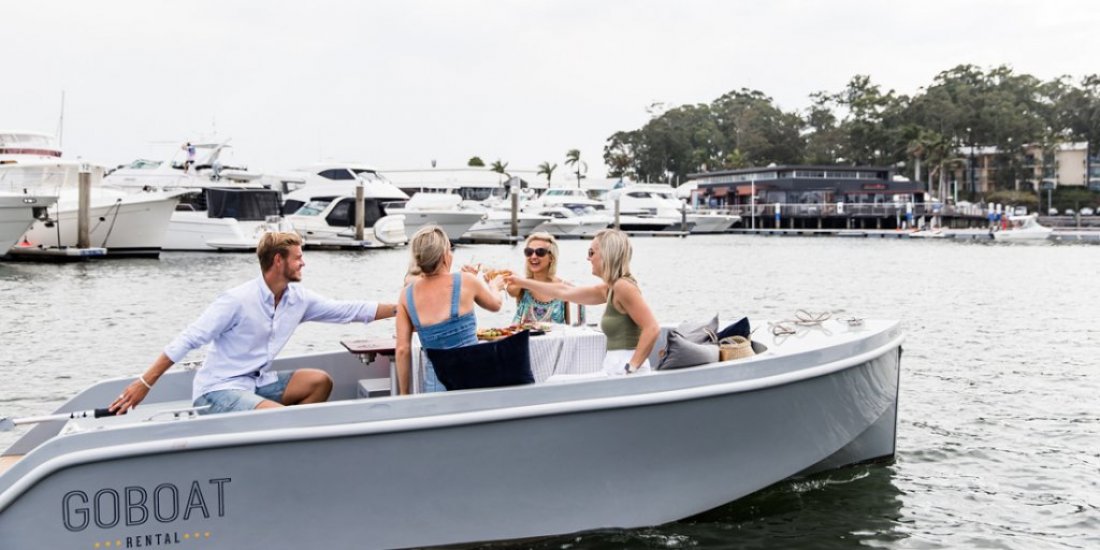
[398, 84]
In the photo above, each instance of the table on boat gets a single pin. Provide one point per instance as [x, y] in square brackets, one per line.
[368, 349]
[563, 349]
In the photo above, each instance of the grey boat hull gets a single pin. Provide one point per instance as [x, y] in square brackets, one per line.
[464, 466]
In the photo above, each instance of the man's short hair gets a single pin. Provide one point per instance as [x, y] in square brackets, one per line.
[275, 242]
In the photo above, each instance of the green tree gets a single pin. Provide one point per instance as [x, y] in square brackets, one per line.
[580, 168]
[547, 169]
[755, 130]
[475, 161]
[500, 167]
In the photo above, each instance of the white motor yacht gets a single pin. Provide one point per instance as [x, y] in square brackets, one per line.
[496, 222]
[430, 208]
[18, 211]
[123, 224]
[566, 222]
[223, 207]
[1023, 229]
[324, 214]
[659, 202]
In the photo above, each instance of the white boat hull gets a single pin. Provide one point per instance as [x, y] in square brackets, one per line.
[126, 225]
[712, 223]
[388, 231]
[195, 231]
[454, 223]
[498, 226]
[17, 215]
[1022, 235]
[573, 227]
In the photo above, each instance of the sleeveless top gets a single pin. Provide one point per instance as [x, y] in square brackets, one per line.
[621, 331]
[454, 332]
[531, 310]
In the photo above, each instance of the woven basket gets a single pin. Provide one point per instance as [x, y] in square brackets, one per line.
[734, 347]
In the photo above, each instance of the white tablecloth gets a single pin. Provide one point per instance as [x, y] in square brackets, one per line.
[562, 350]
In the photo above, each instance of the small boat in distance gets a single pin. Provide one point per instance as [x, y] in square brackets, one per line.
[1023, 229]
[459, 467]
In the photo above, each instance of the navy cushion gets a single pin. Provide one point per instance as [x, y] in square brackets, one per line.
[740, 328]
[505, 362]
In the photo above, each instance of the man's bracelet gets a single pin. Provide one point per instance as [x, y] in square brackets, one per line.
[147, 385]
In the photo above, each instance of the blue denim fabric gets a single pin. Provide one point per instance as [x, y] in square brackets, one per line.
[223, 401]
[455, 332]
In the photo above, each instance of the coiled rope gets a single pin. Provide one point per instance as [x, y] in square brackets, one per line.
[805, 321]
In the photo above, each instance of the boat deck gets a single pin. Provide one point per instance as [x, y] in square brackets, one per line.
[7, 462]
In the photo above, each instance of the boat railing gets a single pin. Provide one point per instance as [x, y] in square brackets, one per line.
[846, 209]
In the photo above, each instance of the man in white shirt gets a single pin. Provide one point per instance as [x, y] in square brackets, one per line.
[248, 326]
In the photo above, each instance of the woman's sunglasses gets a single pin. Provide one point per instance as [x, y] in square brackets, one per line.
[540, 252]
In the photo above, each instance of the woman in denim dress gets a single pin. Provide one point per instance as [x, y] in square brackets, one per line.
[439, 305]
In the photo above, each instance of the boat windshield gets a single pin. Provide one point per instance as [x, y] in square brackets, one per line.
[243, 204]
[369, 176]
[144, 164]
[313, 208]
[582, 209]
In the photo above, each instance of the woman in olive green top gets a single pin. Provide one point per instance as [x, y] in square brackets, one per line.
[628, 323]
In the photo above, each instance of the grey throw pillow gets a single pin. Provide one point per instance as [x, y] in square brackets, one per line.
[700, 332]
[681, 352]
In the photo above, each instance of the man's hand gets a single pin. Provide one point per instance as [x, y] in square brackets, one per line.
[131, 396]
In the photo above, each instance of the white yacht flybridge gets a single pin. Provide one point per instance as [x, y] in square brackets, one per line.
[224, 207]
[123, 224]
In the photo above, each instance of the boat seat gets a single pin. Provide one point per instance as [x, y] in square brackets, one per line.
[373, 387]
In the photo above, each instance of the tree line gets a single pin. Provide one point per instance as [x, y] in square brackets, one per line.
[863, 124]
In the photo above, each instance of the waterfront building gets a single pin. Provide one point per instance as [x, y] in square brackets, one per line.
[1063, 164]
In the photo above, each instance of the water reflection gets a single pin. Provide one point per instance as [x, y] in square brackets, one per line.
[846, 508]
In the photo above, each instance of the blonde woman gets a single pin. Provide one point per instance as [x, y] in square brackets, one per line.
[439, 305]
[628, 323]
[541, 253]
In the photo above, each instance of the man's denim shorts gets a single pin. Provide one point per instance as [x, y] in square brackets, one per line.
[223, 401]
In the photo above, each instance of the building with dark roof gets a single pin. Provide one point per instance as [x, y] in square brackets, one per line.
[815, 196]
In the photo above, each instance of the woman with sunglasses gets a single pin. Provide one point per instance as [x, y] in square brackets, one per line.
[541, 253]
[628, 323]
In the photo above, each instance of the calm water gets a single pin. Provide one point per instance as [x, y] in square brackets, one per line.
[999, 430]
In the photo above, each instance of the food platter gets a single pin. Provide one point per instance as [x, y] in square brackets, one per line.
[492, 334]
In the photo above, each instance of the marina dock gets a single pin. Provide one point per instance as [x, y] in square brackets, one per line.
[1058, 235]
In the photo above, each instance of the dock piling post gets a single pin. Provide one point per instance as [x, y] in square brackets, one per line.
[359, 222]
[515, 212]
[84, 180]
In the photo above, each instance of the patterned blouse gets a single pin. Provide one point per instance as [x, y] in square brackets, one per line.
[531, 310]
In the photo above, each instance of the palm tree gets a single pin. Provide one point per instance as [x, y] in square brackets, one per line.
[573, 158]
[548, 169]
[500, 167]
